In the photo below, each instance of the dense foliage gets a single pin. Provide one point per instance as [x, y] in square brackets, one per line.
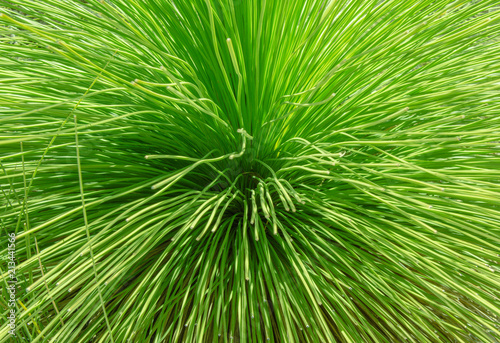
[243, 171]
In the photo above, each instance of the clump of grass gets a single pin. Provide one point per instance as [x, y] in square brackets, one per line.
[250, 171]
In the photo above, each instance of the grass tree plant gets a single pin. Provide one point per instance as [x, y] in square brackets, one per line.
[251, 171]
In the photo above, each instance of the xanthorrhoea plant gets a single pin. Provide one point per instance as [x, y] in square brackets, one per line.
[242, 171]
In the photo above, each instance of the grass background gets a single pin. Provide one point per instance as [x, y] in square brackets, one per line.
[244, 171]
